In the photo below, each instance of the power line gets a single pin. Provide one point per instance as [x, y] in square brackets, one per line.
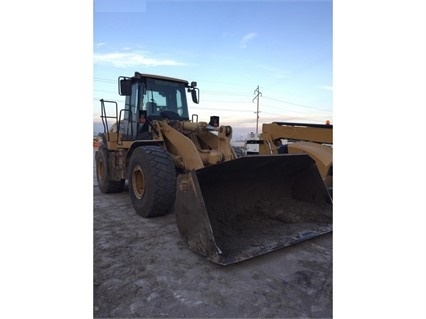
[225, 93]
[286, 102]
[104, 80]
[217, 101]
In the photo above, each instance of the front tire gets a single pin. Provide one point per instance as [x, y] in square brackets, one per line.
[152, 181]
[103, 173]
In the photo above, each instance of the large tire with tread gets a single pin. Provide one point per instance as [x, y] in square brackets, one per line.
[152, 181]
[103, 173]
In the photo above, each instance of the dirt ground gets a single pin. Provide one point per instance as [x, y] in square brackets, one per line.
[142, 269]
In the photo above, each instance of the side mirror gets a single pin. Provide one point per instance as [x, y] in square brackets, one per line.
[194, 96]
[125, 87]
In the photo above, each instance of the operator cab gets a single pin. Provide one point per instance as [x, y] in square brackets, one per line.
[152, 97]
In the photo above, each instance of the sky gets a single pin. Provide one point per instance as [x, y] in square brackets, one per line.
[229, 48]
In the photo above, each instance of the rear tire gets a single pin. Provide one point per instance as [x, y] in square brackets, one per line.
[103, 173]
[152, 181]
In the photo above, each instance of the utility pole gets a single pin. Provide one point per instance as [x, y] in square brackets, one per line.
[257, 112]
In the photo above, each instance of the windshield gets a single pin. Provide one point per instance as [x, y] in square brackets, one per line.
[161, 95]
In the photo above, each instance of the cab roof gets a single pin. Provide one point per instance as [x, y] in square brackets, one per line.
[159, 77]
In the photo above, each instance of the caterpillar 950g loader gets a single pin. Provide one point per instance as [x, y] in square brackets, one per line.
[228, 209]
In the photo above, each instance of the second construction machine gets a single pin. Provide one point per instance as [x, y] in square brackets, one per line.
[316, 140]
[228, 209]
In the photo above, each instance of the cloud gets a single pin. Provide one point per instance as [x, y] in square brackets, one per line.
[124, 60]
[245, 39]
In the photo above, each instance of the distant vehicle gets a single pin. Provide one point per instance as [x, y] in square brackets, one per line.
[252, 144]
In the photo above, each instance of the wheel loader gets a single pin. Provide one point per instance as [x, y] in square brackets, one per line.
[227, 208]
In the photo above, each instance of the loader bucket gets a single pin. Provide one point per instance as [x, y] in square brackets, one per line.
[252, 205]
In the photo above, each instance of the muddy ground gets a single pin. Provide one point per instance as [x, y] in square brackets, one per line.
[142, 269]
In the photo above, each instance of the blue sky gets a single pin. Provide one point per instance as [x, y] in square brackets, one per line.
[229, 48]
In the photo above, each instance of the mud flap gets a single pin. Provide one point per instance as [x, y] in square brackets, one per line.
[252, 205]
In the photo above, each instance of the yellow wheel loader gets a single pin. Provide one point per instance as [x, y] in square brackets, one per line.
[227, 208]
